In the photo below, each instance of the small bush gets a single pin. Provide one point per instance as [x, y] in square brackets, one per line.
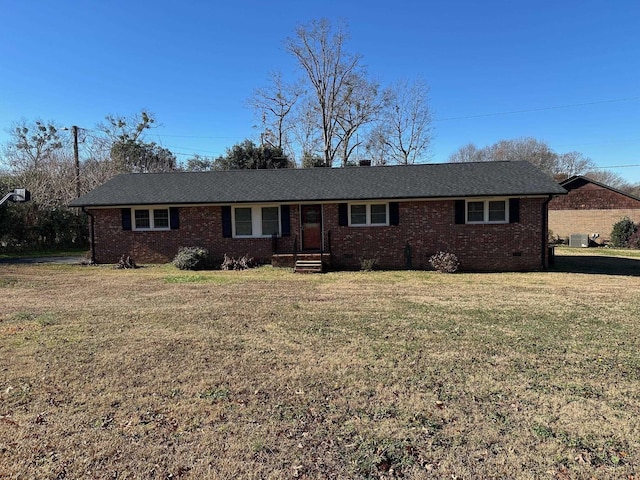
[634, 239]
[368, 264]
[444, 262]
[556, 240]
[622, 232]
[191, 258]
[126, 262]
[242, 263]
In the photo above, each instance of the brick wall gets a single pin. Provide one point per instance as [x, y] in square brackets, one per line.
[199, 226]
[565, 222]
[593, 197]
[589, 208]
[427, 227]
[424, 229]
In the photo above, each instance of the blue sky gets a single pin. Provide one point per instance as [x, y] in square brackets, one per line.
[571, 69]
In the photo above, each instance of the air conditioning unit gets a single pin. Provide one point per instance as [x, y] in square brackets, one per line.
[579, 240]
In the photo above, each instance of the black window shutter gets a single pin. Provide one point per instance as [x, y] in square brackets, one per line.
[126, 218]
[514, 210]
[343, 214]
[174, 218]
[460, 212]
[394, 213]
[285, 218]
[226, 221]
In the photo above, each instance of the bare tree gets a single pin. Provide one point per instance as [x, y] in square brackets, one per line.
[306, 133]
[321, 53]
[127, 148]
[632, 189]
[407, 122]
[468, 153]
[570, 164]
[38, 160]
[361, 104]
[30, 144]
[121, 128]
[607, 177]
[274, 105]
[525, 149]
[376, 145]
[520, 149]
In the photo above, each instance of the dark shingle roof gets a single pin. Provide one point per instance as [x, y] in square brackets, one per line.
[445, 180]
[578, 181]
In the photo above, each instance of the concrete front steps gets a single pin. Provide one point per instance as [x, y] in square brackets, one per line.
[308, 266]
[302, 262]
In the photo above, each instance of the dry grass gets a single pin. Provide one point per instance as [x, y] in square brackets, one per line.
[158, 373]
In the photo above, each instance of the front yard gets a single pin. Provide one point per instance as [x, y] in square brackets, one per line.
[158, 373]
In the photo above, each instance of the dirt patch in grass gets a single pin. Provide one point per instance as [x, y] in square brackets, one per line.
[157, 373]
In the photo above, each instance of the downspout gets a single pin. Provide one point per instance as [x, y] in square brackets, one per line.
[91, 235]
[545, 232]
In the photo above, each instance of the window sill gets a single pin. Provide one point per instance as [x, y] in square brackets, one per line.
[254, 237]
[360, 225]
[150, 229]
[487, 223]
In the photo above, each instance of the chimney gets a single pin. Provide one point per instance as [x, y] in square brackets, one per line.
[365, 163]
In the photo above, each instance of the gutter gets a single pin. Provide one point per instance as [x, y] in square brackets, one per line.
[545, 233]
[91, 234]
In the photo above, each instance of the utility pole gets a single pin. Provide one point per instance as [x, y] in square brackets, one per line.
[76, 158]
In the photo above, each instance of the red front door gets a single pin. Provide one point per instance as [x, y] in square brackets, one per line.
[311, 227]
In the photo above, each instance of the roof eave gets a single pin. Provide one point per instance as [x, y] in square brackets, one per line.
[319, 200]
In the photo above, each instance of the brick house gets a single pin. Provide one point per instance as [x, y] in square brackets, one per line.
[492, 215]
[590, 208]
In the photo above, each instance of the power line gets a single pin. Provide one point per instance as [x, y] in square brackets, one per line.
[555, 107]
[598, 143]
[194, 136]
[620, 166]
[196, 150]
[208, 154]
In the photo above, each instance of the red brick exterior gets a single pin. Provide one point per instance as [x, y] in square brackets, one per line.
[425, 227]
[590, 208]
[199, 227]
[428, 227]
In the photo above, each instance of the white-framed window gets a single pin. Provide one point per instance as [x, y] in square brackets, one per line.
[491, 210]
[368, 214]
[256, 221]
[150, 219]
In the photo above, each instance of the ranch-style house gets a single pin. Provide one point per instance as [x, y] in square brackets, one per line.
[492, 215]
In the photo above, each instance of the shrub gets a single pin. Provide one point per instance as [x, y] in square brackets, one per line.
[634, 239]
[242, 263]
[556, 240]
[191, 258]
[126, 262]
[622, 232]
[368, 264]
[444, 262]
